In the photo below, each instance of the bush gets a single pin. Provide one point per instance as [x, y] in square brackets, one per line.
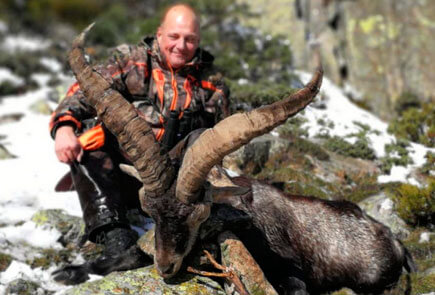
[396, 155]
[23, 64]
[405, 101]
[429, 166]
[417, 125]
[8, 88]
[293, 128]
[415, 205]
[359, 149]
[258, 94]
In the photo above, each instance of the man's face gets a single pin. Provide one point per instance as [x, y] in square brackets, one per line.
[178, 39]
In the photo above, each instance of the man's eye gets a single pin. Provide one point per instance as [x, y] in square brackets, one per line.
[172, 37]
[191, 40]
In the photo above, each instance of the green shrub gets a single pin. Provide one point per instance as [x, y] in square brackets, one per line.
[405, 101]
[76, 12]
[363, 186]
[293, 128]
[415, 205]
[5, 260]
[359, 149]
[421, 252]
[396, 155]
[417, 125]
[429, 165]
[110, 26]
[23, 64]
[8, 88]
[258, 94]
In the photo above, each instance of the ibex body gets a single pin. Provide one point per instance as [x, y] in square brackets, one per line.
[330, 244]
[326, 245]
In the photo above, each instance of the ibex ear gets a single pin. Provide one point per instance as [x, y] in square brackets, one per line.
[218, 177]
[130, 170]
[230, 195]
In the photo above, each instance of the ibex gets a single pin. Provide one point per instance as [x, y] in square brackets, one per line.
[325, 244]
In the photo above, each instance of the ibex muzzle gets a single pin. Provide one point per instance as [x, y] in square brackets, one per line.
[177, 219]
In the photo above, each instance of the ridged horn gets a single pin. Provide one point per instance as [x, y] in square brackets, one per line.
[235, 131]
[121, 118]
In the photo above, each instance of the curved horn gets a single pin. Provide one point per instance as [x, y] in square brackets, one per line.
[235, 131]
[120, 117]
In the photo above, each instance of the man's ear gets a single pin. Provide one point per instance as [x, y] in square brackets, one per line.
[159, 34]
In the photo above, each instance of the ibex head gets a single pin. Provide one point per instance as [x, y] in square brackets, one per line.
[176, 199]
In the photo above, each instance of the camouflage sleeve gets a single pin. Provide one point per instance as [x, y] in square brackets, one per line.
[126, 71]
[219, 100]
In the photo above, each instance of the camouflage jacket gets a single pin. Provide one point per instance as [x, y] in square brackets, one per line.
[143, 78]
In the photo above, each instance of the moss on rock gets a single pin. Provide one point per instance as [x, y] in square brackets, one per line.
[147, 281]
[70, 227]
[48, 257]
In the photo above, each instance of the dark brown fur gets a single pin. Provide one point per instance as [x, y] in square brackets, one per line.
[326, 244]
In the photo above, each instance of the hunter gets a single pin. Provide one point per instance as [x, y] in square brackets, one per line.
[173, 85]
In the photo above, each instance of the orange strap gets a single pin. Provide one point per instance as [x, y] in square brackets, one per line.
[188, 87]
[67, 116]
[210, 86]
[92, 139]
[159, 78]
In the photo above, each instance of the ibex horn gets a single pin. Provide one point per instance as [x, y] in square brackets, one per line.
[235, 131]
[120, 117]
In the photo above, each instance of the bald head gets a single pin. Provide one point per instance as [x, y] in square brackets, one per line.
[178, 35]
[180, 11]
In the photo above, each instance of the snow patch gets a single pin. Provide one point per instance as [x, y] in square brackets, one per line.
[24, 43]
[387, 205]
[31, 234]
[424, 237]
[52, 64]
[7, 75]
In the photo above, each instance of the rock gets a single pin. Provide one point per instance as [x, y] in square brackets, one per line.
[381, 208]
[41, 107]
[344, 291]
[10, 118]
[425, 237]
[252, 156]
[5, 154]
[70, 227]
[147, 281]
[235, 255]
[23, 287]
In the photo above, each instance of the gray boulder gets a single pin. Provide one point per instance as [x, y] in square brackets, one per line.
[381, 208]
[147, 281]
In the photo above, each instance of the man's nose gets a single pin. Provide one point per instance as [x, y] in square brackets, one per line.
[181, 44]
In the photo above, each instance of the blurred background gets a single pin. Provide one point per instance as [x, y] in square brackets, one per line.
[379, 51]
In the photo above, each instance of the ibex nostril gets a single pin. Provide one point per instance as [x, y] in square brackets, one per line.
[167, 270]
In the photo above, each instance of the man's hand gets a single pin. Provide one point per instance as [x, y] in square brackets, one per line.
[67, 146]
